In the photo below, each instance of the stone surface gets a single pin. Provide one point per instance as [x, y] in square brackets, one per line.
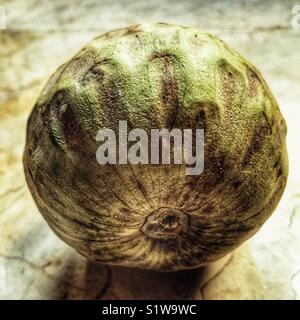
[34, 263]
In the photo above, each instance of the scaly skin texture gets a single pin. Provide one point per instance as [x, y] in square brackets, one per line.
[156, 216]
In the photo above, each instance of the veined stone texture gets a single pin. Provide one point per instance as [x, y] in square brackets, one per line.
[40, 36]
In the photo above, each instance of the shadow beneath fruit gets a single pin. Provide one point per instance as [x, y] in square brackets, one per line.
[233, 277]
[146, 284]
[90, 280]
[84, 279]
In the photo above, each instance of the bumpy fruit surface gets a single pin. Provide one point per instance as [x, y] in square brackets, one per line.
[156, 216]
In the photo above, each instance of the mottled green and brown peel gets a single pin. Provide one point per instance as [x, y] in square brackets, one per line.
[155, 216]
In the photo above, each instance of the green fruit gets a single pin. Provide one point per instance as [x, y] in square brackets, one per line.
[156, 216]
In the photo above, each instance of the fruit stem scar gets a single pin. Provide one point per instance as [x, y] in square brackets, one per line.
[165, 223]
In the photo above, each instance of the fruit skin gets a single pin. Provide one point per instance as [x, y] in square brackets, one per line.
[156, 76]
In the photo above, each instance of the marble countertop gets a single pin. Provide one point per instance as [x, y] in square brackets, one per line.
[34, 263]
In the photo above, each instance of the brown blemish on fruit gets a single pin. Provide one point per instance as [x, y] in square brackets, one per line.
[209, 208]
[254, 82]
[169, 87]
[94, 73]
[71, 129]
[236, 184]
[258, 138]
[227, 82]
